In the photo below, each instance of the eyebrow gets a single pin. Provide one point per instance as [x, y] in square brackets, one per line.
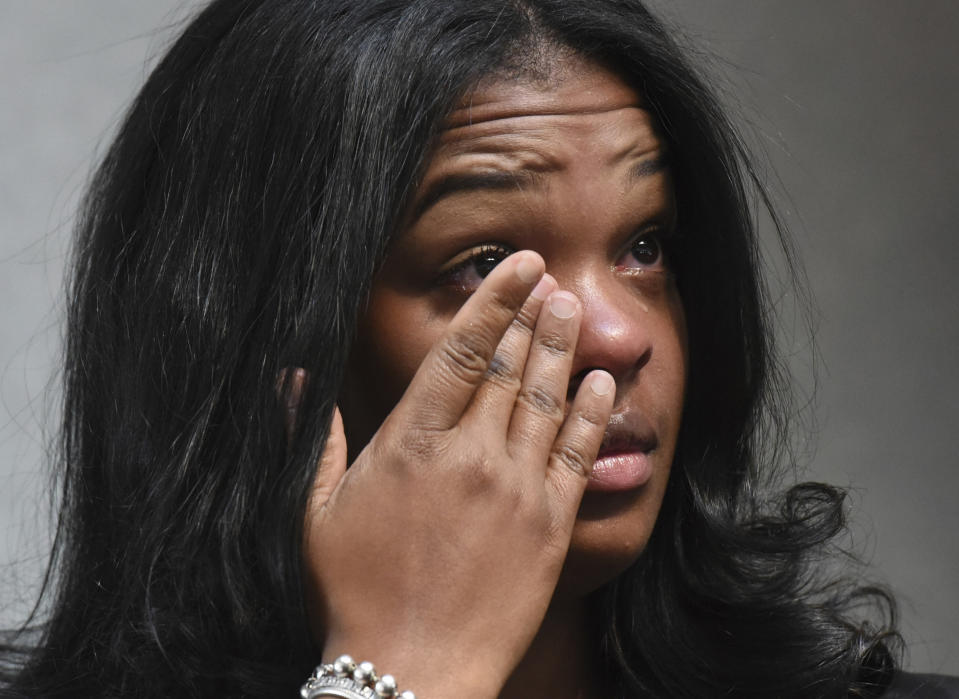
[648, 167]
[470, 182]
[501, 180]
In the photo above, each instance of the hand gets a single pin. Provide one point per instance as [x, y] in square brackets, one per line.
[436, 554]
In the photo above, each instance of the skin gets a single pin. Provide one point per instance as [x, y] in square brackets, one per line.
[488, 563]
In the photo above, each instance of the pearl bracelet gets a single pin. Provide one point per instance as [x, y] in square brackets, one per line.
[345, 679]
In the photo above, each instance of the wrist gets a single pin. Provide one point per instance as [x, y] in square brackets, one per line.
[425, 673]
[347, 679]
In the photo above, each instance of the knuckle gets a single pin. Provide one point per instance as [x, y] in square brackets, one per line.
[571, 457]
[479, 474]
[525, 321]
[592, 419]
[503, 301]
[465, 355]
[555, 344]
[543, 402]
[501, 371]
[417, 445]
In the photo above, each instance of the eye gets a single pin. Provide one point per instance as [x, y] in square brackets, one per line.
[645, 252]
[467, 270]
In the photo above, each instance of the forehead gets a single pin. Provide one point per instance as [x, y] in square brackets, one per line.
[582, 121]
[574, 85]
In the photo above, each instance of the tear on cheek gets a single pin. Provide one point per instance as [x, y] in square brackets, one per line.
[653, 285]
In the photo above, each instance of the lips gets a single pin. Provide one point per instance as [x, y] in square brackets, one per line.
[624, 461]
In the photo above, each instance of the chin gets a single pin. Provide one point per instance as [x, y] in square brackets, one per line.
[611, 532]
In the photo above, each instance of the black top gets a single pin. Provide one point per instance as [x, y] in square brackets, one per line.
[908, 685]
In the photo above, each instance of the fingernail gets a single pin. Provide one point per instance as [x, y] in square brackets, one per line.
[541, 290]
[562, 305]
[529, 269]
[601, 383]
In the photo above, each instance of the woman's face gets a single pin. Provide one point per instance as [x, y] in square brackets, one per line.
[573, 168]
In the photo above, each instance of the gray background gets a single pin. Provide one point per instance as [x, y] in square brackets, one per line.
[855, 106]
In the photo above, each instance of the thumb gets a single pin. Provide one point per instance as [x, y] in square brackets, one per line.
[332, 463]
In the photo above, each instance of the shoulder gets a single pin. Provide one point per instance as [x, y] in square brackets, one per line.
[908, 684]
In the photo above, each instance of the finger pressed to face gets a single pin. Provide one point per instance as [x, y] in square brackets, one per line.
[541, 404]
[496, 396]
[458, 363]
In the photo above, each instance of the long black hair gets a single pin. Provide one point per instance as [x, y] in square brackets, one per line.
[233, 230]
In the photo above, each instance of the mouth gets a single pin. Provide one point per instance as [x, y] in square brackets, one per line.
[624, 460]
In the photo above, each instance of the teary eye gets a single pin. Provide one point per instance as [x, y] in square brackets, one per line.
[468, 270]
[645, 252]
[487, 259]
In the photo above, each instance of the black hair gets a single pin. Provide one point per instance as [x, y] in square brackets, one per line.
[233, 230]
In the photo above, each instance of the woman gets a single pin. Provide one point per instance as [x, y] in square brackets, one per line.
[293, 216]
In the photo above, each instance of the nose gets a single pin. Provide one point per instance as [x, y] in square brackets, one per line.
[615, 332]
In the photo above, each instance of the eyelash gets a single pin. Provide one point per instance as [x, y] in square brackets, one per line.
[664, 239]
[476, 256]
[497, 252]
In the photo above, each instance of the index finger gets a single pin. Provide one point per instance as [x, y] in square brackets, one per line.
[456, 365]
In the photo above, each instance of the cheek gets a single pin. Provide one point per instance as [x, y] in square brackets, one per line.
[395, 337]
[392, 340]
